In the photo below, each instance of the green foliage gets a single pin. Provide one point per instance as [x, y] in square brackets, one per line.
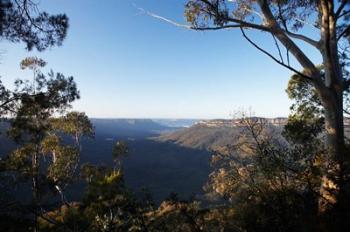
[21, 21]
[176, 215]
[107, 205]
[306, 99]
[38, 123]
[206, 13]
[62, 170]
[273, 178]
[272, 183]
[120, 149]
[32, 63]
[74, 123]
[65, 218]
[305, 130]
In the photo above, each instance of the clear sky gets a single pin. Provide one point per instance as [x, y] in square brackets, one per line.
[128, 64]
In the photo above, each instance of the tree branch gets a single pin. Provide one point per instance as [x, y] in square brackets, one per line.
[343, 14]
[238, 23]
[274, 58]
[346, 30]
[341, 7]
[163, 18]
[278, 47]
[295, 35]
[24, 9]
[247, 24]
[304, 38]
[282, 36]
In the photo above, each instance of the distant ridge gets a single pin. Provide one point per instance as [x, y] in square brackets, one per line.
[280, 121]
[212, 134]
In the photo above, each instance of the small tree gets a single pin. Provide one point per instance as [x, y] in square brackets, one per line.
[120, 149]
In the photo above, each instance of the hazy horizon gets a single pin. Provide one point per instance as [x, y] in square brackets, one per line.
[131, 118]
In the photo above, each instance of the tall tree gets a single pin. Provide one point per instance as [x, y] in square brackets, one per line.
[282, 19]
[38, 111]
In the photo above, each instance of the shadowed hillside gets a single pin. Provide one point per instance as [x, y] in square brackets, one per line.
[160, 167]
[201, 137]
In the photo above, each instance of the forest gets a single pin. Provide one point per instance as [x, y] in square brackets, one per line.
[258, 176]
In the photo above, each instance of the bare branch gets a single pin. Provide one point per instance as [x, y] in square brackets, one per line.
[237, 23]
[305, 62]
[274, 58]
[163, 18]
[344, 13]
[341, 7]
[25, 9]
[346, 112]
[281, 34]
[278, 47]
[295, 35]
[187, 26]
[346, 30]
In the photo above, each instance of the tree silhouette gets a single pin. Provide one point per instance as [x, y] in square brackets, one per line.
[22, 21]
[37, 125]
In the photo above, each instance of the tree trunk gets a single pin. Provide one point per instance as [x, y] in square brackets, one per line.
[333, 191]
[333, 183]
[334, 125]
[35, 190]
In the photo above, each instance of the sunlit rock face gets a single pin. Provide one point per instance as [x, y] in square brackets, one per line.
[238, 122]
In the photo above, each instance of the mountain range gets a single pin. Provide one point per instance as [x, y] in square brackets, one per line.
[164, 156]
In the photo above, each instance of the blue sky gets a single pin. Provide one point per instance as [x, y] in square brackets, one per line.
[130, 65]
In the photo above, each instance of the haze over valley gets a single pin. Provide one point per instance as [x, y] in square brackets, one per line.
[165, 155]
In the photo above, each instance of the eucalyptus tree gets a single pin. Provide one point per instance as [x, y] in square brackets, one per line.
[285, 21]
[23, 21]
[77, 124]
[38, 122]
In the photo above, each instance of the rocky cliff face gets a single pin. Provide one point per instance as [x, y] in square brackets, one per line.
[238, 122]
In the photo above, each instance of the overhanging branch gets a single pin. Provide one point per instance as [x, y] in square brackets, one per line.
[235, 23]
[274, 58]
[284, 36]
